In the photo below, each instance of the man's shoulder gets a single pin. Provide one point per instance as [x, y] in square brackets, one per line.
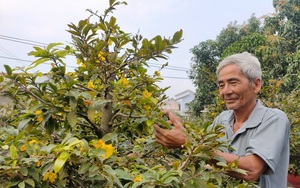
[224, 116]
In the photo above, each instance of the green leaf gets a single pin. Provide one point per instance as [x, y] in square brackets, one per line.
[97, 104]
[112, 21]
[48, 148]
[223, 164]
[60, 161]
[110, 171]
[84, 168]
[37, 62]
[123, 174]
[50, 125]
[8, 70]
[21, 184]
[72, 118]
[23, 124]
[24, 171]
[91, 113]
[158, 43]
[13, 152]
[51, 45]
[177, 36]
[30, 182]
[111, 2]
[109, 136]
[73, 103]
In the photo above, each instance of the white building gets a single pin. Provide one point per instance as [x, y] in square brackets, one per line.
[183, 99]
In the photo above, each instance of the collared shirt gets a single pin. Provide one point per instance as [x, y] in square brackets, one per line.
[266, 134]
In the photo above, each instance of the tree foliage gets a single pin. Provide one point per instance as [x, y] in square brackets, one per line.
[92, 127]
[274, 40]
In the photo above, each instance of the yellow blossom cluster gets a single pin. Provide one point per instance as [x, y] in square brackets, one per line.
[39, 115]
[91, 85]
[147, 94]
[157, 73]
[51, 176]
[138, 178]
[33, 142]
[123, 81]
[78, 62]
[109, 149]
[101, 56]
[23, 148]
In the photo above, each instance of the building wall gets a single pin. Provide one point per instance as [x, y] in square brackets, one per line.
[183, 99]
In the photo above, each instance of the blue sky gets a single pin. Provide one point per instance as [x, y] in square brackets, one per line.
[45, 21]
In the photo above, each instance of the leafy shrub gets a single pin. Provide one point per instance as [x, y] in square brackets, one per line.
[93, 127]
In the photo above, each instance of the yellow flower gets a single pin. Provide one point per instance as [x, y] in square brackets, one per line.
[40, 119]
[147, 107]
[51, 176]
[38, 112]
[33, 141]
[91, 85]
[78, 61]
[39, 116]
[23, 148]
[101, 57]
[39, 163]
[147, 94]
[109, 42]
[123, 81]
[137, 178]
[109, 150]
[99, 144]
[157, 73]
[83, 65]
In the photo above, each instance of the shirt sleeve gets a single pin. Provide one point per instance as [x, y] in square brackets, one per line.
[270, 138]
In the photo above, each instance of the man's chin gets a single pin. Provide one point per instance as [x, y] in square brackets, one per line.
[230, 106]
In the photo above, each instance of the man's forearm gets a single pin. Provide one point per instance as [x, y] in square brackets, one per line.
[253, 164]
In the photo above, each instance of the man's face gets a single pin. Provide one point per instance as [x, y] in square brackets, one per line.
[236, 89]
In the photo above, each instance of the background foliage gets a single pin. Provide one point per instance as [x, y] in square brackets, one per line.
[275, 40]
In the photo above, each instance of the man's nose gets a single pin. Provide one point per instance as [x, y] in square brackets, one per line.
[226, 90]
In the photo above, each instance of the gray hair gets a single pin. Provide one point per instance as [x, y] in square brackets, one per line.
[249, 64]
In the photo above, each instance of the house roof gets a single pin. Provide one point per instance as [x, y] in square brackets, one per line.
[184, 94]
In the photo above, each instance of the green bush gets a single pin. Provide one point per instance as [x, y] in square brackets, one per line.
[93, 127]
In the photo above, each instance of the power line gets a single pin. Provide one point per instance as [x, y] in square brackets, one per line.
[36, 43]
[11, 58]
[17, 59]
[174, 77]
[18, 41]
[4, 50]
[15, 39]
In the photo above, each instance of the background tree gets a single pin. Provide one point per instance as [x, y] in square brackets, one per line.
[207, 55]
[274, 40]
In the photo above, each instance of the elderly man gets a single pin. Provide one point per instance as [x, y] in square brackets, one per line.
[259, 135]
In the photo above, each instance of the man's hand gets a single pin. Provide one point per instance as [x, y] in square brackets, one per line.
[173, 138]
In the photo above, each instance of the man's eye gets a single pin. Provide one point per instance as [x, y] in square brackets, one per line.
[221, 86]
[233, 83]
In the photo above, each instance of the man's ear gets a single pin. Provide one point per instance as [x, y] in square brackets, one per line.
[257, 83]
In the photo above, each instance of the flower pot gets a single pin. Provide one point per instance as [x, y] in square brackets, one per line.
[294, 180]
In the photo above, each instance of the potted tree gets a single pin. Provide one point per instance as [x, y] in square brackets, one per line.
[294, 168]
